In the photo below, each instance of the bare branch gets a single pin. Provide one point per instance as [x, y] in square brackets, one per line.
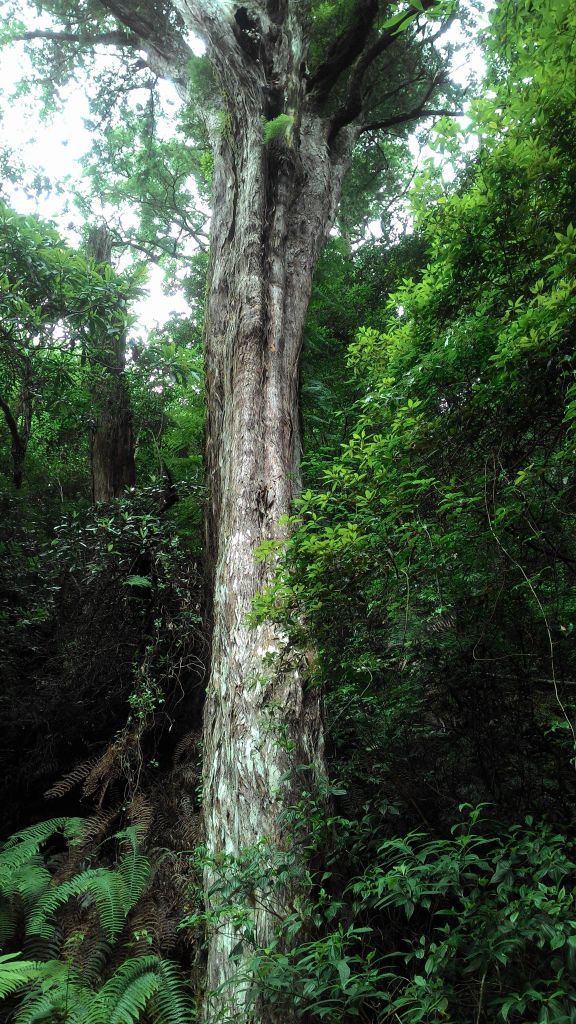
[166, 49]
[126, 39]
[417, 114]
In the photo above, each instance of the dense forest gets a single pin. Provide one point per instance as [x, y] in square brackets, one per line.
[287, 583]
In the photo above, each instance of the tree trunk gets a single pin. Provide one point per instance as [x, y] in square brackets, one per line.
[19, 423]
[112, 439]
[273, 206]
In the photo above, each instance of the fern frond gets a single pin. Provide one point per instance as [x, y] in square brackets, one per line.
[114, 893]
[172, 1004]
[8, 921]
[36, 947]
[15, 973]
[58, 996]
[22, 849]
[134, 869]
[134, 999]
[115, 989]
[39, 833]
[141, 813]
[113, 901]
[105, 888]
[71, 779]
[144, 982]
[106, 768]
[97, 824]
[30, 880]
[90, 960]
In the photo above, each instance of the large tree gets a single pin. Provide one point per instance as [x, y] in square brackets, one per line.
[294, 95]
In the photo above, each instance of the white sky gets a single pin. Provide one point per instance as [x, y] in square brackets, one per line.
[55, 149]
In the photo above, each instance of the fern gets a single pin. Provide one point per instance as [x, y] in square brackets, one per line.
[172, 1003]
[127, 993]
[145, 982]
[140, 984]
[8, 922]
[71, 779]
[15, 973]
[113, 895]
[134, 868]
[23, 846]
[58, 995]
[59, 990]
[278, 128]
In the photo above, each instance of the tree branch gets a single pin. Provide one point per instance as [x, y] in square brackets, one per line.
[10, 421]
[167, 51]
[352, 106]
[417, 114]
[118, 38]
[344, 51]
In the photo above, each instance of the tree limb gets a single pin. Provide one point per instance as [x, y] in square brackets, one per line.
[10, 421]
[344, 51]
[352, 107]
[167, 51]
[117, 38]
[417, 114]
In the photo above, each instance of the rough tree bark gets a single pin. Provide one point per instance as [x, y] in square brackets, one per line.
[111, 438]
[272, 209]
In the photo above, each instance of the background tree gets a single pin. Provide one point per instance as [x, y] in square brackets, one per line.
[53, 304]
[111, 437]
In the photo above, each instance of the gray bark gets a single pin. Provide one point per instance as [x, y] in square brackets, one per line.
[272, 211]
[273, 206]
[112, 459]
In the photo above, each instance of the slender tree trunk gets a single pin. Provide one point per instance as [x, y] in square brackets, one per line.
[273, 206]
[19, 423]
[112, 440]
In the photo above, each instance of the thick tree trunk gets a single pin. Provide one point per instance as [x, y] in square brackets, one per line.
[273, 206]
[111, 440]
[112, 444]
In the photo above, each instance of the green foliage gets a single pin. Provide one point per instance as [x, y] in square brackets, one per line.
[501, 933]
[59, 989]
[476, 926]
[15, 973]
[55, 307]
